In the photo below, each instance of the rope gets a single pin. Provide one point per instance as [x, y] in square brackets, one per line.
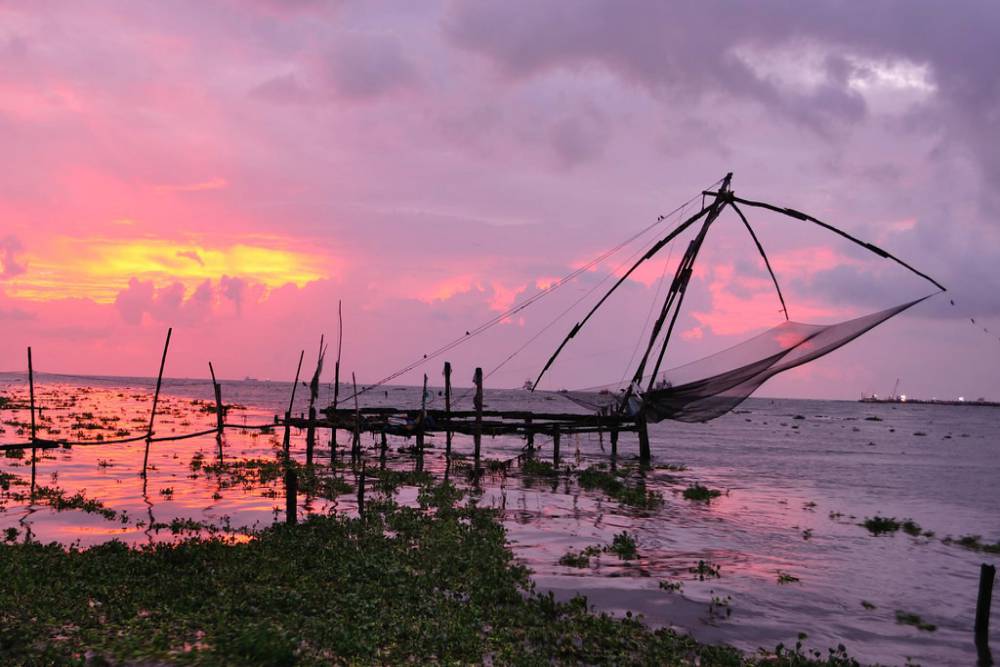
[518, 308]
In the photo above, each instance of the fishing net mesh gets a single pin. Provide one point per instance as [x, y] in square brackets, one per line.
[710, 387]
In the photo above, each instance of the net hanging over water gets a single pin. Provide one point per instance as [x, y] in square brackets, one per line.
[710, 387]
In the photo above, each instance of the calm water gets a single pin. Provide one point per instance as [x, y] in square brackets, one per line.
[798, 477]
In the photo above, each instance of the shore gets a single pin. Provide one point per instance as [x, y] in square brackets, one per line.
[432, 584]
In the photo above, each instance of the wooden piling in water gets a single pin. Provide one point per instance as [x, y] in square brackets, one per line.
[220, 410]
[156, 398]
[291, 495]
[987, 573]
[644, 454]
[361, 493]
[555, 446]
[356, 442]
[529, 435]
[34, 437]
[286, 443]
[421, 418]
[336, 373]
[447, 409]
[383, 446]
[477, 378]
[310, 436]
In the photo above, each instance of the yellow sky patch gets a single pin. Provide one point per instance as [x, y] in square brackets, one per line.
[98, 268]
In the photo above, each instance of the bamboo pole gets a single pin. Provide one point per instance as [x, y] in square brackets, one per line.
[286, 444]
[421, 418]
[156, 398]
[644, 455]
[477, 378]
[220, 411]
[361, 493]
[356, 443]
[447, 408]
[31, 392]
[336, 373]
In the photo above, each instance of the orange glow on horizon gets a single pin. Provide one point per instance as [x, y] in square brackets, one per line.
[99, 268]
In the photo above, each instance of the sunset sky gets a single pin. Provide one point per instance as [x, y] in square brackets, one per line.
[233, 169]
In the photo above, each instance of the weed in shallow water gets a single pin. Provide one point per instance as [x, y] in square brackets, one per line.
[785, 578]
[878, 525]
[705, 570]
[700, 493]
[909, 618]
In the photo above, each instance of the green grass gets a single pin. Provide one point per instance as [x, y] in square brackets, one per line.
[434, 584]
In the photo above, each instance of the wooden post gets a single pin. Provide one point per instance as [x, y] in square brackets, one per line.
[447, 409]
[31, 392]
[286, 444]
[986, 575]
[336, 375]
[311, 435]
[644, 456]
[420, 420]
[156, 398]
[529, 435]
[356, 444]
[477, 378]
[384, 446]
[361, 494]
[220, 411]
[555, 446]
[291, 495]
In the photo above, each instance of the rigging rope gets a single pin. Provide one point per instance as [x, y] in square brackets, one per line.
[528, 302]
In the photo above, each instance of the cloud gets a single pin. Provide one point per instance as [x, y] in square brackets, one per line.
[365, 66]
[201, 186]
[192, 255]
[10, 266]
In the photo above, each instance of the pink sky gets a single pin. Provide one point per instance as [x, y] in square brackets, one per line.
[233, 169]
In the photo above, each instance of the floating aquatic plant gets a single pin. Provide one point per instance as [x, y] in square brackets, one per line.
[701, 493]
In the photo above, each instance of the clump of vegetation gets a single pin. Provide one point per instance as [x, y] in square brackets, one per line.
[720, 607]
[624, 546]
[581, 558]
[785, 578]
[867, 605]
[974, 543]
[700, 493]
[704, 570]
[598, 477]
[909, 618]
[539, 468]
[58, 500]
[411, 586]
[879, 525]
[911, 527]
[672, 586]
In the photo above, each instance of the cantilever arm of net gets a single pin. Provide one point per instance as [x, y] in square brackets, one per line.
[799, 215]
[649, 254]
[763, 255]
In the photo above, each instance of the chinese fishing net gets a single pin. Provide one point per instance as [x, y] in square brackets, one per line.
[708, 388]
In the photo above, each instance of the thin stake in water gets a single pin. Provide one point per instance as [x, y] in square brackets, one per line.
[156, 398]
